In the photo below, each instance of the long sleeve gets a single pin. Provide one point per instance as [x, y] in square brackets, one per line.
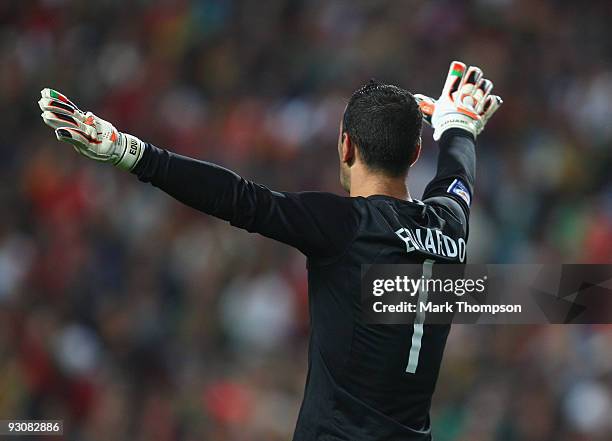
[453, 184]
[318, 224]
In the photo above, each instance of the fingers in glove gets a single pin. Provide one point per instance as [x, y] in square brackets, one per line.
[51, 105]
[68, 134]
[427, 106]
[56, 120]
[77, 139]
[468, 87]
[492, 103]
[57, 96]
[483, 90]
[453, 79]
[472, 76]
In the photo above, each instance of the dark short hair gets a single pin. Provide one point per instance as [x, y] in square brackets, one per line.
[385, 122]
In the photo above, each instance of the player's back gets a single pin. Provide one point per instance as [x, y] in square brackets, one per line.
[375, 382]
[359, 386]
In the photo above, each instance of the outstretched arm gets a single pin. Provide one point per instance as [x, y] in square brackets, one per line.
[458, 117]
[318, 224]
[455, 174]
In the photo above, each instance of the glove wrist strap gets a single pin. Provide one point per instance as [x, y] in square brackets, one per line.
[454, 121]
[131, 151]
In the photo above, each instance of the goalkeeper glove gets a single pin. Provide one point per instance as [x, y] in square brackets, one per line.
[466, 102]
[90, 135]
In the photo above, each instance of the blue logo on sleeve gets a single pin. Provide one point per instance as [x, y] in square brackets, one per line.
[460, 189]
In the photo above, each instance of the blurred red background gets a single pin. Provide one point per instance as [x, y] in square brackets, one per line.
[132, 317]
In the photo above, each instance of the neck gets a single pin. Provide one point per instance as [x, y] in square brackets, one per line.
[365, 183]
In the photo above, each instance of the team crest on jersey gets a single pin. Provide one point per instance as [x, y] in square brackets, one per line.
[460, 189]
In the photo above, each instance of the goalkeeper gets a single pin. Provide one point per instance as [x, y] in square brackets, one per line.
[365, 382]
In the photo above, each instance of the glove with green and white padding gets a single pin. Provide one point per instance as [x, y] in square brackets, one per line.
[90, 135]
[466, 102]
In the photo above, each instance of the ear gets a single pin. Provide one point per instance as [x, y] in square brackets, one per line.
[417, 153]
[347, 155]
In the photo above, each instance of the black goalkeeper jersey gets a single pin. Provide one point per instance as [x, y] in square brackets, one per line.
[365, 382]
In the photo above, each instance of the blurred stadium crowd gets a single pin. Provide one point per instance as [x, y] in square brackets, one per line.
[132, 317]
